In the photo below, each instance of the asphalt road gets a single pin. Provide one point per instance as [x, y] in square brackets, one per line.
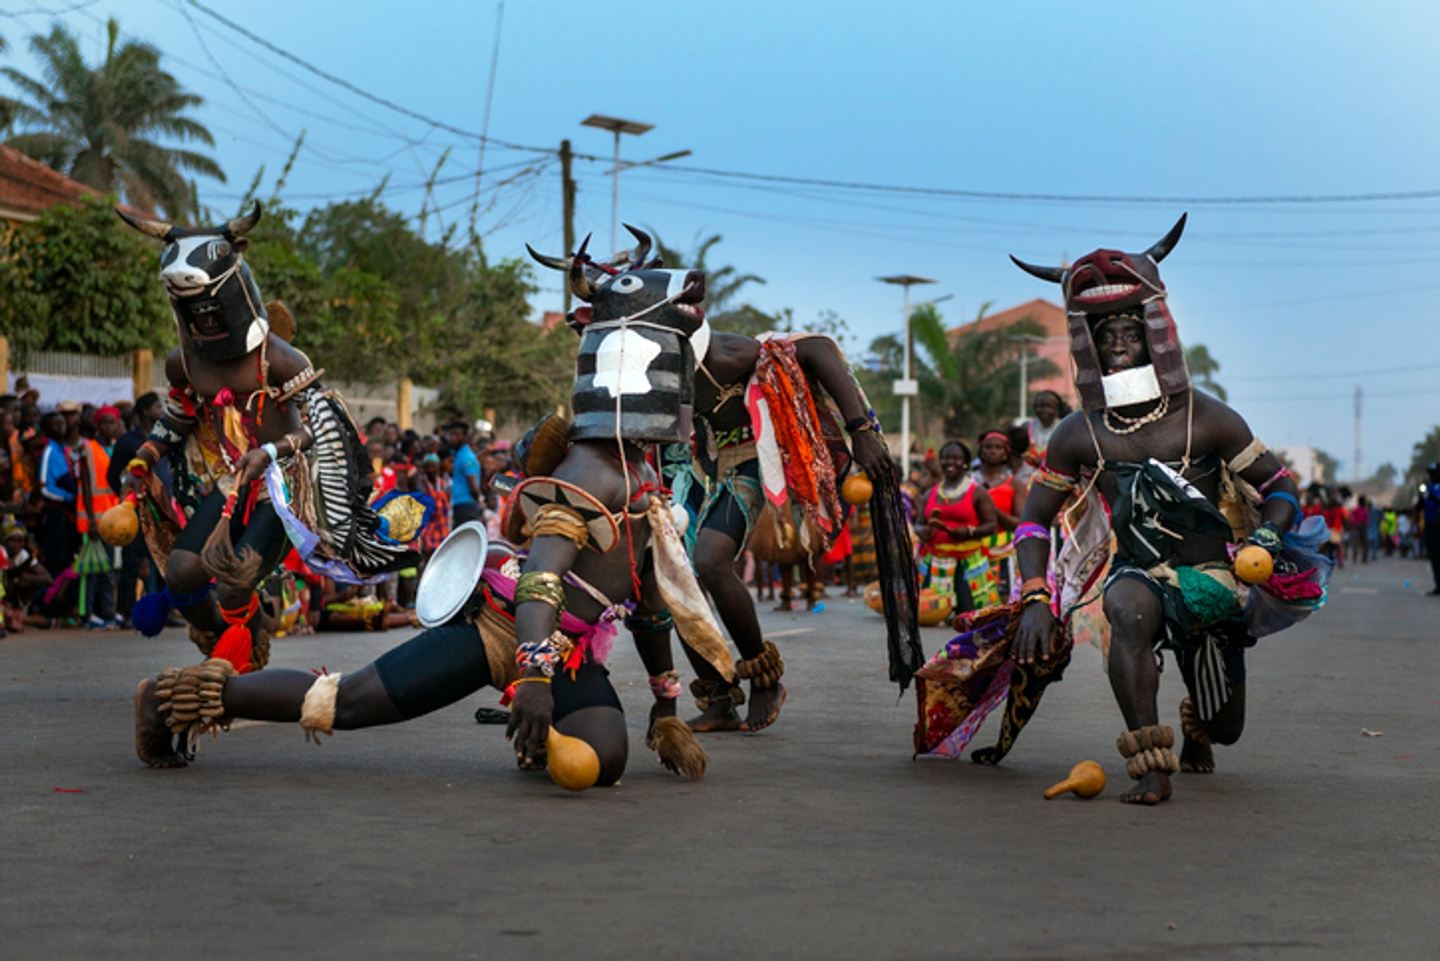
[818, 839]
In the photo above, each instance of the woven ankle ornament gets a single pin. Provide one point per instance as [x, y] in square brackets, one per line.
[190, 698]
[764, 670]
[1190, 723]
[1149, 749]
[707, 693]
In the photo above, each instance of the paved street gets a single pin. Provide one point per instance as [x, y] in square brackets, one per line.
[818, 839]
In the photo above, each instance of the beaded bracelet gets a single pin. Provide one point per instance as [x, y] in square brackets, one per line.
[1030, 530]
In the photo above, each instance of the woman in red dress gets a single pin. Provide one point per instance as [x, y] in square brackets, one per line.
[955, 516]
[1008, 492]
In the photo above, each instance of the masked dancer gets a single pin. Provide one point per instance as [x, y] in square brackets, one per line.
[766, 430]
[261, 454]
[1183, 482]
[599, 548]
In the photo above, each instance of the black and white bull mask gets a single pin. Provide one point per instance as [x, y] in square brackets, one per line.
[214, 297]
[642, 334]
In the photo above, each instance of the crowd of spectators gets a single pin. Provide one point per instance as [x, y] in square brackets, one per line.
[61, 467]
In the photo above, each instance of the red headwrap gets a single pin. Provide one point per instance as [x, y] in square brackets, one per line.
[109, 410]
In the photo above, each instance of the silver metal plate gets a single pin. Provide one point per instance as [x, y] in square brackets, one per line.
[452, 573]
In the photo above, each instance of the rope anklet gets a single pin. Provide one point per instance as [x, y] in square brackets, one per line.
[190, 700]
[717, 693]
[1190, 723]
[764, 670]
[1149, 749]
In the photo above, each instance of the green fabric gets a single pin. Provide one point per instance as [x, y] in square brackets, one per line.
[1207, 599]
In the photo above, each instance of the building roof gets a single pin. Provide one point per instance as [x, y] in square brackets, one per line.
[1049, 316]
[28, 187]
[1056, 347]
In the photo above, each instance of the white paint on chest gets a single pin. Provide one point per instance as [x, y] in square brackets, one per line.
[621, 363]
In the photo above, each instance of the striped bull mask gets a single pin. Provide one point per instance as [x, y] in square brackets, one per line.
[642, 334]
[213, 295]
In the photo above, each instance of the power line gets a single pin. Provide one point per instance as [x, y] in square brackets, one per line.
[1432, 194]
[1338, 374]
[358, 91]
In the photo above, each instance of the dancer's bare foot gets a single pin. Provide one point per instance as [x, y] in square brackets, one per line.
[719, 716]
[1151, 789]
[153, 741]
[765, 705]
[1197, 757]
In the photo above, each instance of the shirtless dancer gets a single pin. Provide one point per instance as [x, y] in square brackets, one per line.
[538, 629]
[727, 496]
[1158, 450]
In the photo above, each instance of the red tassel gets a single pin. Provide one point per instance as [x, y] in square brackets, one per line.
[235, 646]
[576, 658]
[236, 642]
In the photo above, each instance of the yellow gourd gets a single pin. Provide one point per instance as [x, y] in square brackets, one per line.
[1254, 565]
[572, 763]
[857, 489]
[1086, 779]
[119, 525]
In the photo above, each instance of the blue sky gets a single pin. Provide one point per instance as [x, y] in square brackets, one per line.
[1301, 303]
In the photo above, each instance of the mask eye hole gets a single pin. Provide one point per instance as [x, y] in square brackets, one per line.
[626, 284]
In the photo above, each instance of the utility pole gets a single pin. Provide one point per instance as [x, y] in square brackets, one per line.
[567, 206]
[1359, 407]
[905, 387]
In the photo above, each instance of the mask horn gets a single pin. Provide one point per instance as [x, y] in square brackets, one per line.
[642, 246]
[152, 228]
[554, 263]
[240, 226]
[580, 284]
[1053, 274]
[1167, 243]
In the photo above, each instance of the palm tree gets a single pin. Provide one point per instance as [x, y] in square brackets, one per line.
[971, 380]
[722, 286]
[100, 124]
[1203, 369]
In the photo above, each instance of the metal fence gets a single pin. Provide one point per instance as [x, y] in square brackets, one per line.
[57, 364]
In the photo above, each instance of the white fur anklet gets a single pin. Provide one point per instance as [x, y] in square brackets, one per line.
[317, 711]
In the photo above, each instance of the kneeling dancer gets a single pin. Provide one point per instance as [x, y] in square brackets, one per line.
[259, 449]
[601, 548]
[1184, 483]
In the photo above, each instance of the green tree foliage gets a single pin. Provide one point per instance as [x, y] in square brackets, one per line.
[723, 285]
[1385, 476]
[1329, 467]
[1203, 369]
[104, 125]
[971, 381]
[1426, 451]
[79, 280]
[374, 301]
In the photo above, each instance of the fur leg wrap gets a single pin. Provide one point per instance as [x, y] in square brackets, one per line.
[716, 692]
[191, 699]
[678, 749]
[1190, 723]
[317, 711]
[764, 670]
[1149, 749]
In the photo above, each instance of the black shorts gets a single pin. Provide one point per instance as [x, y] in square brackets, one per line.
[263, 534]
[446, 664]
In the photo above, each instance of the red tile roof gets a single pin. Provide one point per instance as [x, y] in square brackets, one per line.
[28, 187]
[1051, 319]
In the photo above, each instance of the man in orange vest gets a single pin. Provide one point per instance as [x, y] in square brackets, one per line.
[94, 564]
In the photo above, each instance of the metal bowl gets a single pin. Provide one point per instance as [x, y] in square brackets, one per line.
[450, 577]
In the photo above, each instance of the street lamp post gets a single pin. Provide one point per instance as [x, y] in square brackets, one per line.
[616, 126]
[906, 387]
